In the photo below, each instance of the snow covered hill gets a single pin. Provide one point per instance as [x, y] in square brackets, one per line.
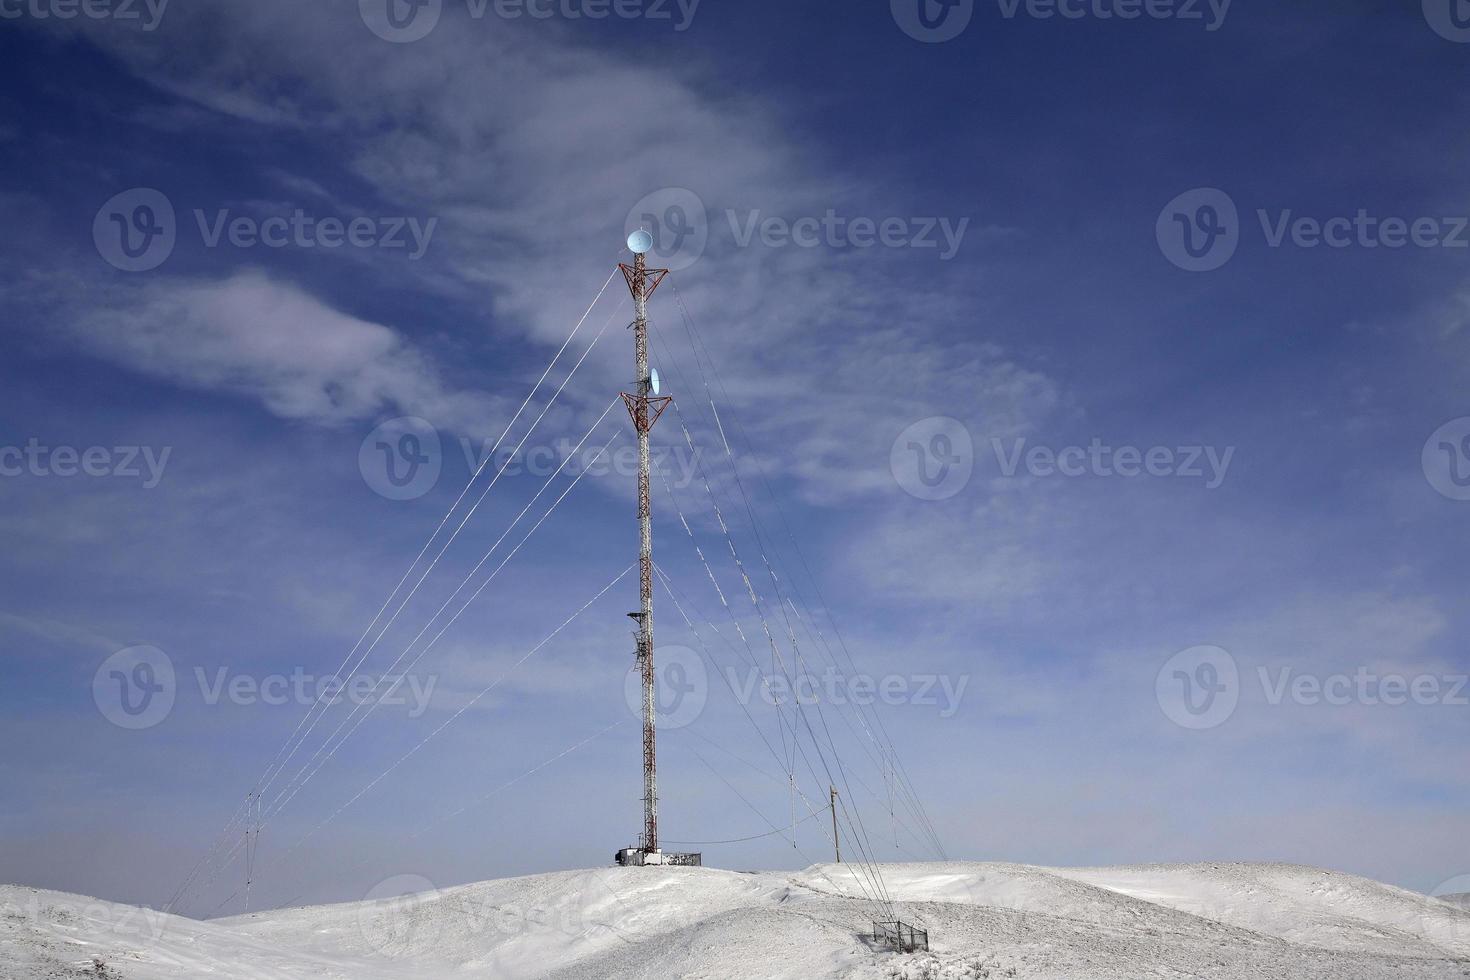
[985, 920]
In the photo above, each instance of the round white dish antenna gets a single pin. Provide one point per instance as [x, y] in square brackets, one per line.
[641, 241]
[653, 380]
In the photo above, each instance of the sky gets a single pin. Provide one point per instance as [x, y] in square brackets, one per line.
[1096, 371]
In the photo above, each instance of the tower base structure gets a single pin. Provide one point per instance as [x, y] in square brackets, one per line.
[633, 857]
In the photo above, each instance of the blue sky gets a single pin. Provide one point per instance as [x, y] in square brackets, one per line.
[496, 164]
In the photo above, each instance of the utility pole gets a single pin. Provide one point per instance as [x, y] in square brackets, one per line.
[836, 840]
[252, 842]
[644, 408]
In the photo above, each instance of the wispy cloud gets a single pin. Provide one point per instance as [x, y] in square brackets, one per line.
[271, 340]
[529, 213]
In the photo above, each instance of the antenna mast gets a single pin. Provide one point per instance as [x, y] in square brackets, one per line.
[836, 837]
[644, 408]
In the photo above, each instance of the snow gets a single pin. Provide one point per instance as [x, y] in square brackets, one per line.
[986, 920]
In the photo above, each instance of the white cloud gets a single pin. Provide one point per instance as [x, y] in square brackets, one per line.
[531, 152]
[268, 339]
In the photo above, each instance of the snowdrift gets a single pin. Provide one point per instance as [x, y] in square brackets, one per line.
[986, 921]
